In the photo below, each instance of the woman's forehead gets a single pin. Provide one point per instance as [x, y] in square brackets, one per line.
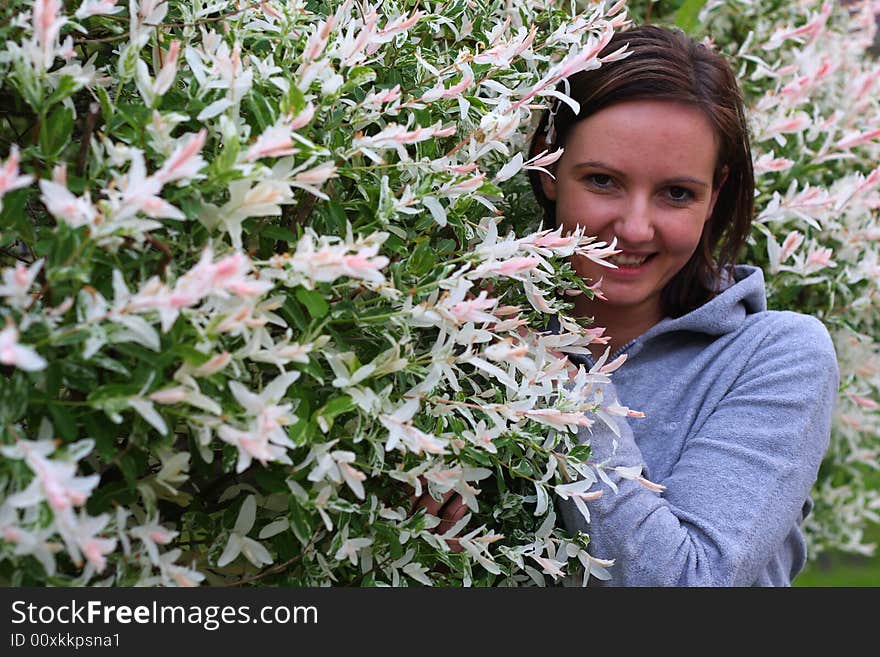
[665, 131]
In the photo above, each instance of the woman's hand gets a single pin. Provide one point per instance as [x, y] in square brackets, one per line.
[450, 509]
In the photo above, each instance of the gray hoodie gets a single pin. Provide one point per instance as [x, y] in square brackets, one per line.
[738, 403]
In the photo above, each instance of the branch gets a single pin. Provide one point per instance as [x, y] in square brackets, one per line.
[160, 246]
[91, 121]
[274, 569]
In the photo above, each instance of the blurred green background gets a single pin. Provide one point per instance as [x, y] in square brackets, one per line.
[840, 569]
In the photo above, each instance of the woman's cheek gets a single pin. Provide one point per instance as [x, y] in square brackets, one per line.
[593, 215]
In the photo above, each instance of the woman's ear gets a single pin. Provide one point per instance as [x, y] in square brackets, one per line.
[548, 185]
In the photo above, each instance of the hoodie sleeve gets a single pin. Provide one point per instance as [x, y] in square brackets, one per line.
[740, 483]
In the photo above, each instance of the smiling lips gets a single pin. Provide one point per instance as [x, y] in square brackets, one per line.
[630, 260]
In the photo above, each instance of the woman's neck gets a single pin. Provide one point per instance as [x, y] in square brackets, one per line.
[621, 324]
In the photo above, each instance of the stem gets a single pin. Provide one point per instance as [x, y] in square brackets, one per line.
[160, 246]
[91, 121]
[11, 254]
[274, 569]
[116, 459]
[45, 287]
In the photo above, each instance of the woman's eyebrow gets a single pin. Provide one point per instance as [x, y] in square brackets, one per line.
[677, 180]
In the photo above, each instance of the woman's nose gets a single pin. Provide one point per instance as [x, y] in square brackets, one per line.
[635, 224]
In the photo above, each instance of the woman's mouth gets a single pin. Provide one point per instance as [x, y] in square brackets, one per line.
[629, 261]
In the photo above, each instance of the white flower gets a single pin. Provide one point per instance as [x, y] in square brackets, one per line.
[175, 574]
[239, 543]
[9, 177]
[75, 211]
[93, 7]
[266, 439]
[152, 534]
[185, 162]
[276, 141]
[28, 542]
[331, 258]
[350, 548]
[17, 282]
[80, 534]
[21, 356]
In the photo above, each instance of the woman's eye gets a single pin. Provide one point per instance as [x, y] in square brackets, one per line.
[600, 180]
[680, 194]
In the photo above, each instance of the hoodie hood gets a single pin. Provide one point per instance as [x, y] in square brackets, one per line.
[742, 294]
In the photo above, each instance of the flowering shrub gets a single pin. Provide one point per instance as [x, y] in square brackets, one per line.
[813, 89]
[817, 127]
[269, 268]
[262, 281]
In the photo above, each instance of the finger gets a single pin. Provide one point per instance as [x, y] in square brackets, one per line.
[451, 514]
[432, 506]
[454, 545]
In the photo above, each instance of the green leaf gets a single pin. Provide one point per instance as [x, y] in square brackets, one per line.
[499, 479]
[359, 77]
[107, 107]
[336, 406]
[190, 354]
[109, 364]
[54, 377]
[299, 521]
[112, 392]
[55, 132]
[301, 432]
[687, 16]
[105, 442]
[286, 546]
[128, 61]
[294, 315]
[481, 457]
[63, 421]
[228, 155]
[445, 246]
[28, 82]
[314, 302]
[137, 116]
[337, 216]
[67, 85]
[128, 466]
[15, 216]
[260, 109]
[523, 469]
[61, 247]
[77, 376]
[278, 233]
[14, 393]
[314, 370]
[293, 102]
[74, 337]
[579, 452]
[105, 495]
[422, 259]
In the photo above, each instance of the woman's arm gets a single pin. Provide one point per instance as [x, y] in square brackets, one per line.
[739, 486]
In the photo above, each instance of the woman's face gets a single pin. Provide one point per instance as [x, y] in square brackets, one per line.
[641, 172]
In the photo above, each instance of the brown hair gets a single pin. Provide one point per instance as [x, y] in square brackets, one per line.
[666, 64]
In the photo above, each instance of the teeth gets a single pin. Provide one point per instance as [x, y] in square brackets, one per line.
[627, 261]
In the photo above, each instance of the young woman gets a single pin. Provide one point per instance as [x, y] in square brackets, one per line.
[737, 399]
